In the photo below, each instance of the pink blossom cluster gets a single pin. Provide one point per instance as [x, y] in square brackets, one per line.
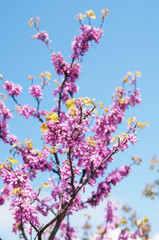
[22, 197]
[110, 214]
[24, 210]
[5, 115]
[124, 142]
[12, 89]
[104, 188]
[43, 206]
[36, 91]
[67, 232]
[81, 43]
[35, 160]
[62, 67]
[107, 123]
[43, 36]
[12, 139]
[6, 193]
[59, 63]
[71, 73]
[116, 176]
[27, 111]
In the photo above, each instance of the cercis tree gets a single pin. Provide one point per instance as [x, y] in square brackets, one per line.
[77, 145]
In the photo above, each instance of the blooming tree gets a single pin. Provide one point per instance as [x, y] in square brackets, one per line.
[77, 144]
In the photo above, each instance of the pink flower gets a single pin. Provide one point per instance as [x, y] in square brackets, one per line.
[2, 201]
[36, 91]
[43, 36]
[5, 114]
[59, 63]
[81, 43]
[117, 175]
[12, 89]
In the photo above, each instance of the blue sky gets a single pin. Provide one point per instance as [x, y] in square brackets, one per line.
[130, 43]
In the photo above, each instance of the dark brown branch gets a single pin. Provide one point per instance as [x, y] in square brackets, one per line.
[72, 173]
[57, 172]
[34, 227]
[83, 174]
[22, 230]
[57, 163]
[57, 225]
[56, 158]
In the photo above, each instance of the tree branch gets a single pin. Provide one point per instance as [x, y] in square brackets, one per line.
[22, 230]
[57, 225]
[63, 211]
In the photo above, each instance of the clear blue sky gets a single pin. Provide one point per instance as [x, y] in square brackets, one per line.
[130, 43]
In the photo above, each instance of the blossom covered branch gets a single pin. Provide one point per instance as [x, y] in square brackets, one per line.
[73, 155]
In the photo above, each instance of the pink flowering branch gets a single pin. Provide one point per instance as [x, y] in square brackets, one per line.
[60, 216]
[72, 158]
